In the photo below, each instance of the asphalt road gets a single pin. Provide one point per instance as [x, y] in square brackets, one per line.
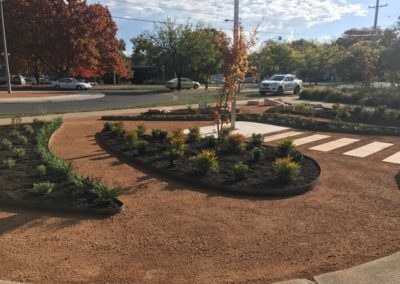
[112, 100]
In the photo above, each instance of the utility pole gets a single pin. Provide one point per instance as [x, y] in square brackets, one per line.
[376, 7]
[5, 53]
[235, 46]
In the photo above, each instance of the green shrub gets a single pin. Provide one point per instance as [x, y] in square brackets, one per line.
[205, 162]
[240, 170]
[210, 141]
[296, 156]
[107, 126]
[119, 129]
[18, 152]
[43, 188]
[194, 134]
[140, 130]
[285, 147]
[28, 129]
[9, 163]
[173, 155]
[6, 144]
[178, 143]
[21, 140]
[37, 122]
[131, 138]
[141, 146]
[16, 122]
[235, 143]
[226, 131]
[176, 133]
[257, 154]
[380, 112]
[256, 140]
[286, 170]
[341, 111]
[159, 134]
[42, 170]
[14, 134]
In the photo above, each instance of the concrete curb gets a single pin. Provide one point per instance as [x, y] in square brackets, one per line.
[385, 270]
[52, 99]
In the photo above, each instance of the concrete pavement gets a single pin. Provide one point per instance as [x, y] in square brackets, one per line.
[50, 99]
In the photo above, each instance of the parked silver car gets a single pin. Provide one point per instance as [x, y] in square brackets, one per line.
[280, 84]
[186, 83]
[70, 83]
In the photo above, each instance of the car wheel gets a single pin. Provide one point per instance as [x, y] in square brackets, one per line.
[57, 87]
[79, 88]
[195, 86]
[280, 91]
[296, 90]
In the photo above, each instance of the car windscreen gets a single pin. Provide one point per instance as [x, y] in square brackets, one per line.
[276, 78]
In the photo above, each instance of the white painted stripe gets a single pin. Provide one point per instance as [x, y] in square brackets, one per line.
[281, 136]
[368, 149]
[309, 139]
[326, 147]
[395, 159]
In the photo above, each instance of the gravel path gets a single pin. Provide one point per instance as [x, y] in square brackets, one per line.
[171, 233]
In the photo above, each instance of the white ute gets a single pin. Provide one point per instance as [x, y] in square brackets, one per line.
[280, 84]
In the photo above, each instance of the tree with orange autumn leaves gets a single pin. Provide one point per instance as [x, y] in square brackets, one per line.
[236, 67]
[65, 37]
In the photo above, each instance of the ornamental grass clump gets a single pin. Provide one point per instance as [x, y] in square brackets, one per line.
[205, 162]
[194, 134]
[296, 156]
[256, 140]
[286, 170]
[43, 188]
[9, 163]
[257, 154]
[6, 144]
[235, 143]
[241, 171]
[285, 147]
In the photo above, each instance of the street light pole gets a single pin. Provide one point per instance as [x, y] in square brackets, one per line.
[235, 46]
[5, 53]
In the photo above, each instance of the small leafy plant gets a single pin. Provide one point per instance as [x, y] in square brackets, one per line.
[205, 162]
[140, 130]
[194, 134]
[42, 170]
[119, 129]
[257, 154]
[210, 141]
[241, 171]
[21, 140]
[141, 146]
[9, 163]
[43, 188]
[107, 126]
[296, 156]
[18, 152]
[176, 133]
[6, 144]
[256, 140]
[131, 138]
[173, 155]
[103, 192]
[226, 131]
[159, 134]
[235, 143]
[285, 147]
[178, 143]
[28, 129]
[286, 170]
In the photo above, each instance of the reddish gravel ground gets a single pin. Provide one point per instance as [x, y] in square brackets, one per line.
[171, 233]
[5, 95]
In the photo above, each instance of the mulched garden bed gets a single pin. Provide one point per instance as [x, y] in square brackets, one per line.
[260, 180]
[16, 183]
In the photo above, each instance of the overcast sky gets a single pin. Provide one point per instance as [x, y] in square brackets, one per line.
[292, 19]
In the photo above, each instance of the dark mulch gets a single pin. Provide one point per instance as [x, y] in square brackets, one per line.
[16, 184]
[260, 176]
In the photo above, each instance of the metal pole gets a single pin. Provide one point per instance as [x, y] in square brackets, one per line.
[235, 43]
[377, 6]
[5, 53]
